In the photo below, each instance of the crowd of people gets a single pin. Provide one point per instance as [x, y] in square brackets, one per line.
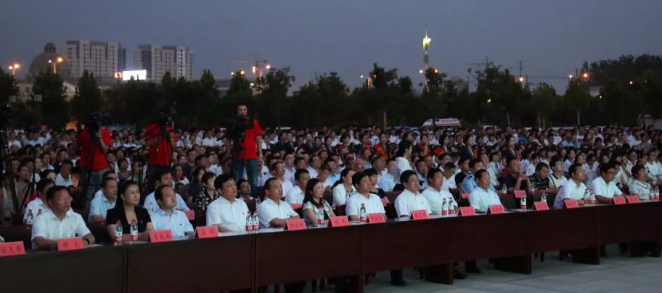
[137, 181]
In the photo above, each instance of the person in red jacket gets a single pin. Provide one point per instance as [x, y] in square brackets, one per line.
[93, 142]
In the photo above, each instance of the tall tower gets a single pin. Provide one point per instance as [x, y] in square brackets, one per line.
[426, 47]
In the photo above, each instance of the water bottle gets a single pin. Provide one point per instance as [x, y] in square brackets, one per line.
[522, 202]
[320, 216]
[256, 222]
[592, 198]
[444, 208]
[30, 218]
[504, 189]
[363, 214]
[543, 198]
[39, 212]
[451, 211]
[587, 197]
[249, 222]
[119, 231]
[134, 230]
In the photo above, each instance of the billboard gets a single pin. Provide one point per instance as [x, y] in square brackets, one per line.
[135, 74]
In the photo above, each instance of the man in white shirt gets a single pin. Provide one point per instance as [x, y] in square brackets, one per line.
[274, 212]
[604, 186]
[288, 161]
[295, 195]
[38, 206]
[387, 179]
[449, 177]
[59, 222]
[166, 217]
[64, 177]
[278, 172]
[436, 194]
[574, 188]
[482, 197]
[164, 179]
[99, 206]
[228, 213]
[410, 199]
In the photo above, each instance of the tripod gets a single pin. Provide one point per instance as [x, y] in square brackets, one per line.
[89, 160]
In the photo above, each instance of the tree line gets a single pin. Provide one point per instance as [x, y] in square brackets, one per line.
[628, 86]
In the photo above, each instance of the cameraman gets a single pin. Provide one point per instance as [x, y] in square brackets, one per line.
[246, 145]
[93, 142]
[160, 140]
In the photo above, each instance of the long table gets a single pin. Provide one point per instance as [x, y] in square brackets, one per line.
[254, 259]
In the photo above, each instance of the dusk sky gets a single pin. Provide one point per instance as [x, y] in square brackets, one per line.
[551, 37]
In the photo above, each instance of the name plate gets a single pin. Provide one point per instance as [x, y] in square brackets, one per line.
[376, 218]
[160, 236]
[467, 211]
[540, 206]
[339, 221]
[520, 193]
[618, 200]
[68, 244]
[465, 196]
[495, 210]
[296, 206]
[12, 249]
[206, 232]
[570, 204]
[293, 225]
[190, 215]
[419, 215]
[632, 199]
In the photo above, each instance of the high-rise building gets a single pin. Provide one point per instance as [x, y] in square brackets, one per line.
[101, 58]
[157, 60]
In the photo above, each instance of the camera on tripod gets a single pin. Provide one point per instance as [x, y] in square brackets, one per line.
[94, 120]
[238, 127]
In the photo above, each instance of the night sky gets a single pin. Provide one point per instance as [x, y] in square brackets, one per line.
[551, 37]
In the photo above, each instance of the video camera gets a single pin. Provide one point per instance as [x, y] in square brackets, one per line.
[237, 129]
[6, 115]
[94, 120]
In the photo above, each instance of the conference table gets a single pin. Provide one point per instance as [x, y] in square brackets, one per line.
[250, 260]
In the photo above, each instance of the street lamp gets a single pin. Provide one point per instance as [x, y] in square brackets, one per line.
[57, 60]
[14, 67]
[570, 76]
[521, 79]
[585, 75]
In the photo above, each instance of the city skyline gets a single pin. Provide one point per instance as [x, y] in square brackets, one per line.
[552, 38]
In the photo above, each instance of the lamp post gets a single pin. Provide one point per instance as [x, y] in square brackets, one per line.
[14, 67]
[57, 60]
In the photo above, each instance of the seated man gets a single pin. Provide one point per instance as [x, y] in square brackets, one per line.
[295, 195]
[228, 213]
[436, 194]
[274, 212]
[38, 206]
[574, 188]
[100, 205]
[469, 183]
[163, 179]
[515, 180]
[449, 178]
[604, 186]
[410, 199]
[166, 217]
[483, 197]
[59, 222]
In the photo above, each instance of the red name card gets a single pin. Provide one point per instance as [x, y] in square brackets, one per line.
[467, 211]
[160, 236]
[293, 225]
[190, 215]
[618, 200]
[495, 209]
[296, 206]
[376, 218]
[206, 232]
[68, 244]
[385, 201]
[339, 221]
[540, 206]
[419, 215]
[12, 249]
[570, 204]
[632, 199]
[520, 193]
[465, 196]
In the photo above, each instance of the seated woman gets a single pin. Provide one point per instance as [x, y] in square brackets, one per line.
[639, 185]
[315, 208]
[127, 211]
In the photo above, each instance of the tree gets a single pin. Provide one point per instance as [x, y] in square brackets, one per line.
[501, 90]
[55, 109]
[577, 96]
[7, 87]
[277, 83]
[88, 97]
[544, 102]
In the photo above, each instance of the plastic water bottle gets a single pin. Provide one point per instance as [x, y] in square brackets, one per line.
[134, 230]
[249, 222]
[543, 198]
[119, 231]
[319, 213]
[504, 189]
[30, 218]
[592, 198]
[38, 212]
[451, 210]
[363, 214]
[444, 208]
[256, 222]
[522, 202]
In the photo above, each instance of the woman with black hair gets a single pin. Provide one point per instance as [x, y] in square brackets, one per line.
[127, 212]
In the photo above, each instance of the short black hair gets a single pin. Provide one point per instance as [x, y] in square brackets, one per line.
[480, 173]
[573, 168]
[220, 180]
[298, 173]
[356, 178]
[637, 168]
[604, 168]
[432, 172]
[55, 189]
[43, 183]
[158, 193]
[404, 177]
[104, 181]
[473, 163]
[267, 184]
[449, 166]
[541, 165]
